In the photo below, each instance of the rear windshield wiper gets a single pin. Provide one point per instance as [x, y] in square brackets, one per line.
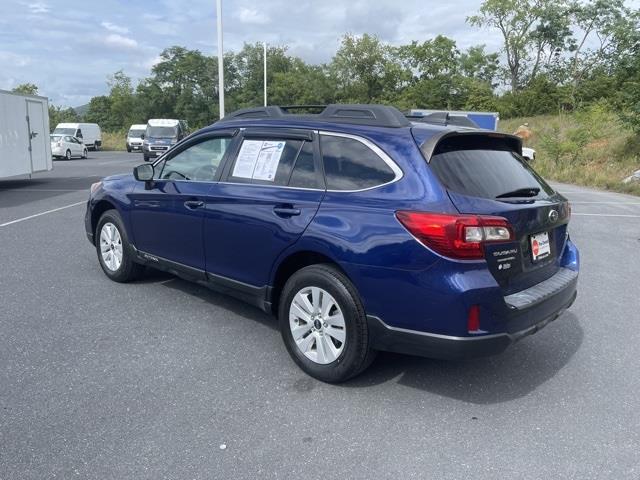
[520, 192]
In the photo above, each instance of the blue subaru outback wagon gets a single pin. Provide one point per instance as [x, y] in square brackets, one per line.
[360, 230]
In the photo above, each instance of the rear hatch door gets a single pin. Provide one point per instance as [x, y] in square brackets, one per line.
[484, 174]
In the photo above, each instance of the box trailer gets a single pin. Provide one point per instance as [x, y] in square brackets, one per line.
[25, 147]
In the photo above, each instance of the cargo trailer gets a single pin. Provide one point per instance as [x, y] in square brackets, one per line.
[25, 147]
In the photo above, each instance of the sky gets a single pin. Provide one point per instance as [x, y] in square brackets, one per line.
[69, 48]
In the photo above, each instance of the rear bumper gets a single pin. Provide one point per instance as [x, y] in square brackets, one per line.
[525, 313]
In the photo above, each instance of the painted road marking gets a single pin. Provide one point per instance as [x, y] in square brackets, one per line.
[604, 203]
[45, 190]
[42, 213]
[596, 215]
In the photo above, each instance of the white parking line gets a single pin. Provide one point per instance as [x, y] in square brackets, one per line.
[596, 215]
[605, 203]
[42, 213]
[43, 190]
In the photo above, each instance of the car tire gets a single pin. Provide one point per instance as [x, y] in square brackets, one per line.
[128, 149]
[96, 146]
[146, 159]
[67, 155]
[85, 153]
[344, 359]
[111, 237]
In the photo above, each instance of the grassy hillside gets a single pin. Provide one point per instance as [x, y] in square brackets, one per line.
[587, 148]
[114, 140]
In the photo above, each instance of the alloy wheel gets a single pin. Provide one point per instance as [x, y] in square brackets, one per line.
[111, 246]
[317, 325]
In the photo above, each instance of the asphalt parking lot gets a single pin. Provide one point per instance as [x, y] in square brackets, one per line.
[165, 379]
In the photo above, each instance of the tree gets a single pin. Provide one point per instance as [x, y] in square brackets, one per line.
[62, 115]
[123, 111]
[477, 64]
[302, 84]
[182, 85]
[612, 24]
[26, 89]
[99, 111]
[248, 67]
[364, 69]
[518, 22]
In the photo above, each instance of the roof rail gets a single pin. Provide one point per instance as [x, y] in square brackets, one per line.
[443, 118]
[355, 114]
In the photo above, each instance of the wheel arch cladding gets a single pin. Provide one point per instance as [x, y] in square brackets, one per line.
[97, 211]
[290, 265]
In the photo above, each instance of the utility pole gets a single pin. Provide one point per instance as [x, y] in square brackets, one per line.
[220, 58]
[265, 72]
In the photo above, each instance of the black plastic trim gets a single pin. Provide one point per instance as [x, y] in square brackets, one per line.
[355, 114]
[257, 296]
[279, 133]
[424, 344]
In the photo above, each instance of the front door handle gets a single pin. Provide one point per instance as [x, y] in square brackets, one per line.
[194, 204]
[286, 211]
[146, 203]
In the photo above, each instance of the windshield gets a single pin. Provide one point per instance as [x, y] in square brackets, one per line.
[56, 138]
[65, 131]
[162, 132]
[136, 133]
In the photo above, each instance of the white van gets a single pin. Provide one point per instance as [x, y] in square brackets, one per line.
[89, 133]
[135, 136]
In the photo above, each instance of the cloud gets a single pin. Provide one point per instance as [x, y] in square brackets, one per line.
[152, 62]
[38, 7]
[13, 59]
[252, 16]
[115, 28]
[120, 41]
[41, 47]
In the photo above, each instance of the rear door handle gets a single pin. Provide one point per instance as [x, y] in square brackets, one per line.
[288, 211]
[194, 204]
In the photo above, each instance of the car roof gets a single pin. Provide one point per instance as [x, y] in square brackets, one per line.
[345, 118]
[353, 114]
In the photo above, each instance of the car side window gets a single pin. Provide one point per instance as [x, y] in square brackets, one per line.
[351, 165]
[264, 162]
[304, 173]
[198, 162]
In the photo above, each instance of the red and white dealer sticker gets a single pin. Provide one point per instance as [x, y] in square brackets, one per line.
[540, 246]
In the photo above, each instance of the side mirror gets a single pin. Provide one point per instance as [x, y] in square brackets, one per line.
[144, 172]
[142, 136]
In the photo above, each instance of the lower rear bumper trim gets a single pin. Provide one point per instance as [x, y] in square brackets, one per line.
[393, 339]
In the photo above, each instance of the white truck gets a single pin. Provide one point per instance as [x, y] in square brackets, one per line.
[89, 133]
[25, 147]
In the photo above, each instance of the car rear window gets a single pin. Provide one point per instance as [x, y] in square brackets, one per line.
[475, 170]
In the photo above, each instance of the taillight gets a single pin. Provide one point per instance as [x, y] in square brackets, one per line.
[456, 236]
